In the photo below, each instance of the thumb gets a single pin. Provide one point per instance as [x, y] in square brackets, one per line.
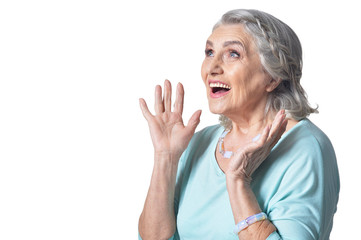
[194, 121]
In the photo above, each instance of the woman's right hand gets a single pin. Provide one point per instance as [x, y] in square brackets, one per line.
[168, 133]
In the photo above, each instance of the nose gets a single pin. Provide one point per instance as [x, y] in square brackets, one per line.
[215, 66]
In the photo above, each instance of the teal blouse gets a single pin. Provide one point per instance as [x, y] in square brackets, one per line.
[297, 186]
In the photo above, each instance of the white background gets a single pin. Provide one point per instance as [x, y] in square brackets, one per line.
[75, 152]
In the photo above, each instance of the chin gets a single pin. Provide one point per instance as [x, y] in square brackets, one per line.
[213, 108]
[218, 105]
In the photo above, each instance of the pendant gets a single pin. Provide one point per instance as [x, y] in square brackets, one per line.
[225, 154]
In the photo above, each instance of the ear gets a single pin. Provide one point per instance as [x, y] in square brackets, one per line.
[272, 84]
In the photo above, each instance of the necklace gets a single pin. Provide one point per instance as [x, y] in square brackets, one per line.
[229, 154]
[225, 154]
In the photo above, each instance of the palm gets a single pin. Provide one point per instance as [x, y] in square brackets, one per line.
[167, 130]
[247, 160]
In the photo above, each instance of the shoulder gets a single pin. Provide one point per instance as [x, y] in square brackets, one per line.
[304, 152]
[200, 149]
[306, 139]
[302, 174]
[202, 142]
[203, 138]
[209, 132]
[313, 133]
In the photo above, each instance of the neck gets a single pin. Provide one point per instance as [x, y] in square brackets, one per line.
[249, 125]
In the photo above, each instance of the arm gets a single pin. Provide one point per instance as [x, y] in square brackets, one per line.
[157, 220]
[238, 176]
[244, 204]
[170, 138]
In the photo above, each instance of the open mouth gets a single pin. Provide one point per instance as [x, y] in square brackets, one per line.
[219, 88]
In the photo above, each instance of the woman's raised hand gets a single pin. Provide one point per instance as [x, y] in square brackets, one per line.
[169, 134]
[246, 160]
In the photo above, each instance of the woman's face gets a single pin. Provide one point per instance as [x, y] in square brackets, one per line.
[232, 72]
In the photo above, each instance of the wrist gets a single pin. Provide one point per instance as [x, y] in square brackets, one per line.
[165, 166]
[166, 156]
[238, 180]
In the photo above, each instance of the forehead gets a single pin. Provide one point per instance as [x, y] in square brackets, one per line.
[233, 32]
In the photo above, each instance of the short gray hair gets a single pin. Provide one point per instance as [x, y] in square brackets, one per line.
[280, 53]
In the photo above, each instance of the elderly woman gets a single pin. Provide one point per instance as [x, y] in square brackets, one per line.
[266, 172]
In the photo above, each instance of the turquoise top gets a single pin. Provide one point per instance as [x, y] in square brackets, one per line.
[297, 186]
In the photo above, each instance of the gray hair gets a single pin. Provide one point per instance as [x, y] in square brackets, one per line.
[280, 53]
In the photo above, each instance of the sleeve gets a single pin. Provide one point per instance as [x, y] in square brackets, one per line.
[274, 236]
[305, 202]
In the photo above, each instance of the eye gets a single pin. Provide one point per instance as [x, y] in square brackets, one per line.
[209, 52]
[234, 54]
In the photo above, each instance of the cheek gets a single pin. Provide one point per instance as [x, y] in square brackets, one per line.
[238, 78]
[246, 84]
[204, 71]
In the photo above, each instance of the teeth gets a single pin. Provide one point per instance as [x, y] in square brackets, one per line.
[220, 85]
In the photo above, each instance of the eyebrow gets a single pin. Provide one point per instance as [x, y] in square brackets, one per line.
[232, 43]
[227, 43]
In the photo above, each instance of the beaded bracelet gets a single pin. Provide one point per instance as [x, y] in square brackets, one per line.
[248, 221]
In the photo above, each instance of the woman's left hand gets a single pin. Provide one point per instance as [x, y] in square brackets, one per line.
[246, 160]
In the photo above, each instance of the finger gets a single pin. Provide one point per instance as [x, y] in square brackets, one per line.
[283, 127]
[276, 125]
[179, 101]
[167, 96]
[264, 136]
[194, 121]
[143, 106]
[285, 123]
[158, 103]
[280, 133]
